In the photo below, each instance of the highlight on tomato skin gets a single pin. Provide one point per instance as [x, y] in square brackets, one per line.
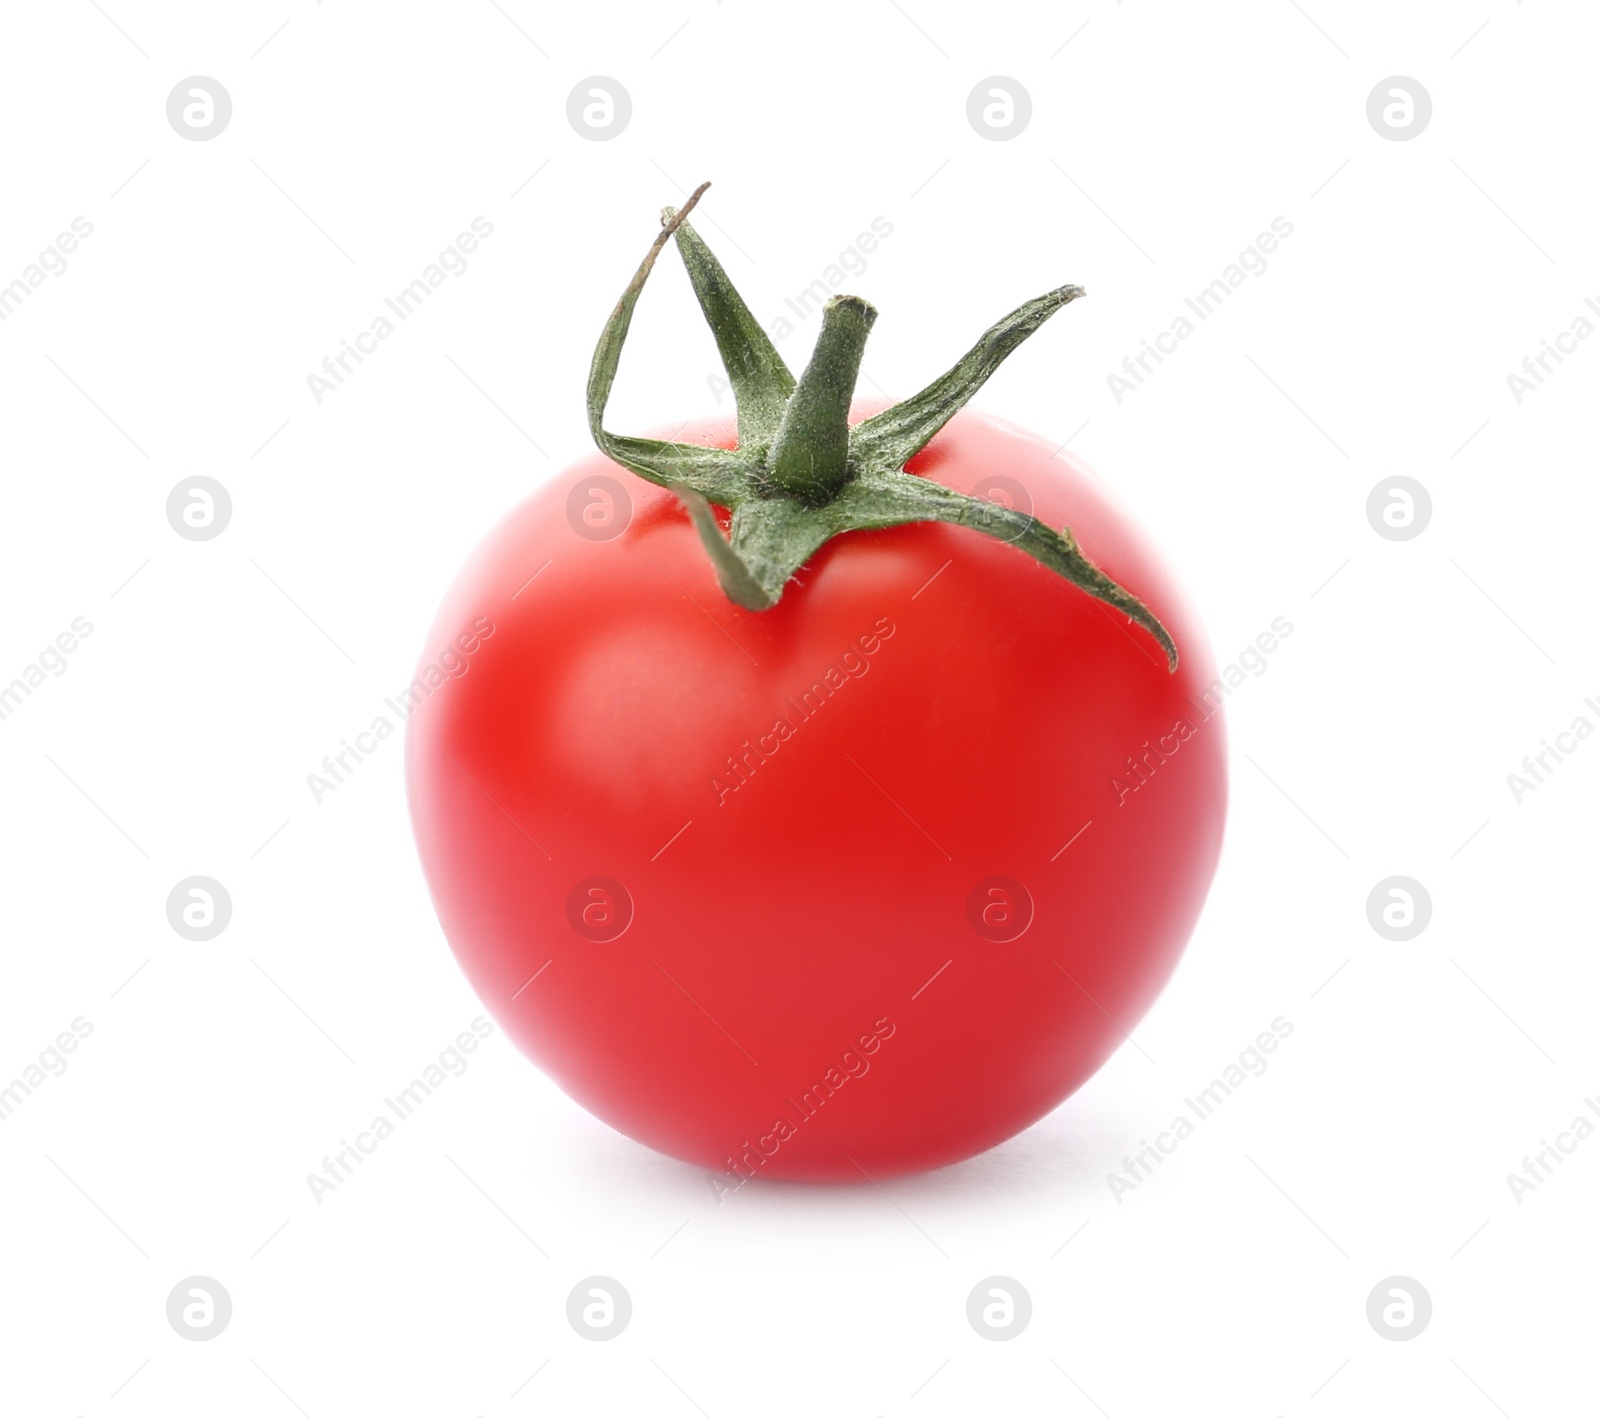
[826, 793]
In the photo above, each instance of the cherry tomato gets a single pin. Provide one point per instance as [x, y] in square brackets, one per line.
[859, 885]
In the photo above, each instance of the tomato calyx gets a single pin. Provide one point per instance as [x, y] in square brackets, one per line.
[801, 475]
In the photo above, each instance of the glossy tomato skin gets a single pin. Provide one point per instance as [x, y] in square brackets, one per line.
[819, 828]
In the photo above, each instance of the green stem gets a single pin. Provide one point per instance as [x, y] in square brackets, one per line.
[810, 457]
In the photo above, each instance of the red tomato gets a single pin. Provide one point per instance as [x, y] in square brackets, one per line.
[862, 884]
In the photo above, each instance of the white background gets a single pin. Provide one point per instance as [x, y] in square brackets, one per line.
[1164, 137]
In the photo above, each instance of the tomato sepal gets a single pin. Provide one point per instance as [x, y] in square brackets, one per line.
[801, 475]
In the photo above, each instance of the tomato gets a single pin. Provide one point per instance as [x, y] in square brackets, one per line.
[841, 834]
[860, 884]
